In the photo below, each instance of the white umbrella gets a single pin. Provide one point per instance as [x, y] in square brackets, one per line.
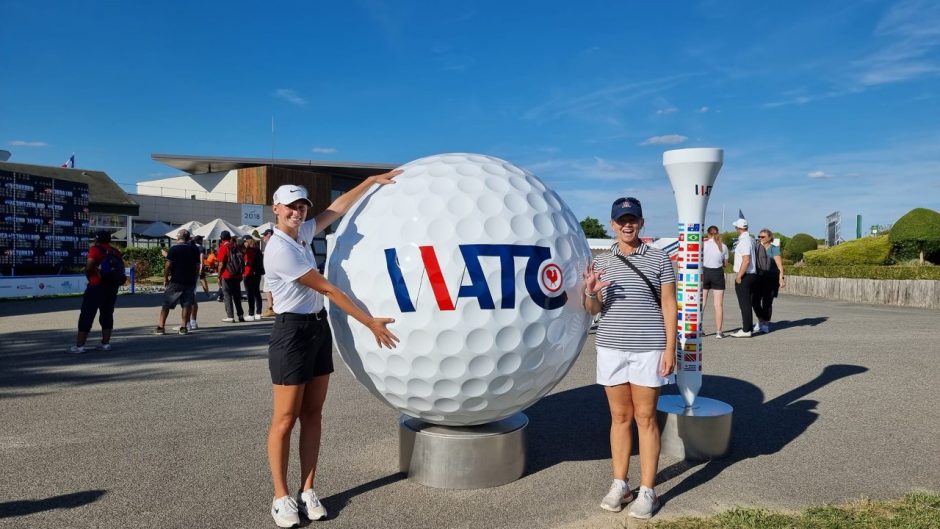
[214, 229]
[266, 226]
[157, 230]
[248, 229]
[191, 226]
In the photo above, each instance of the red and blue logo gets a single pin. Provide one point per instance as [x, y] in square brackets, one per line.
[536, 276]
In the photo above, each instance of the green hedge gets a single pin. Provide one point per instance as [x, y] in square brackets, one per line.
[798, 245]
[148, 261]
[867, 272]
[865, 251]
[917, 231]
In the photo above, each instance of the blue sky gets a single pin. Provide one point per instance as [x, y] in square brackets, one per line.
[819, 105]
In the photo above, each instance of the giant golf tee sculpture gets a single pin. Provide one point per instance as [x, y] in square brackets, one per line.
[480, 265]
[695, 427]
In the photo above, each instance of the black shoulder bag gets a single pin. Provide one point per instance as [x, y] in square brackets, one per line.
[649, 283]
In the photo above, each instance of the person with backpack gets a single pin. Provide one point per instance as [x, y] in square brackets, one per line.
[231, 269]
[180, 275]
[254, 269]
[770, 278]
[105, 272]
[634, 287]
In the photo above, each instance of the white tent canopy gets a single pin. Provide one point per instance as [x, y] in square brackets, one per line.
[214, 229]
[265, 226]
[191, 226]
[247, 229]
[157, 230]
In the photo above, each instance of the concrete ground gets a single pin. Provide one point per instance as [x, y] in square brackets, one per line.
[838, 402]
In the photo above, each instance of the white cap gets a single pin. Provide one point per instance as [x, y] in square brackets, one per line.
[740, 223]
[288, 194]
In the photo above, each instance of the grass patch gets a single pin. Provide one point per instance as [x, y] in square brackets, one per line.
[917, 510]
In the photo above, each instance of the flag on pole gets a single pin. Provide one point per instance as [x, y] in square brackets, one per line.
[70, 163]
[740, 214]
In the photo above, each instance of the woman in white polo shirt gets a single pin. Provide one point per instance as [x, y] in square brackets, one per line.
[300, 351]
[634, 285]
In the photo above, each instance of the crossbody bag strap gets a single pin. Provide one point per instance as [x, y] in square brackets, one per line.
[649, 283]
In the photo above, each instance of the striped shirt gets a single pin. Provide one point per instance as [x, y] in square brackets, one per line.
[632, 320]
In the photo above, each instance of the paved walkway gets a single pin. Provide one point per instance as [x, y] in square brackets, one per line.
[837, 403]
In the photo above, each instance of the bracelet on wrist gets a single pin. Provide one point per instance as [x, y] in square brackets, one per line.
[590, 295]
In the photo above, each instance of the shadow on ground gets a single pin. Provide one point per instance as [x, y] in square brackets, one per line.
[65, 501]
[37, 358]
[574, 425]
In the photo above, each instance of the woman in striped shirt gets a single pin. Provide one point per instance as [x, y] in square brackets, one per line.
[636, 344]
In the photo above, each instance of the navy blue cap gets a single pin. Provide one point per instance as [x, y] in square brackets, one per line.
[626, 206]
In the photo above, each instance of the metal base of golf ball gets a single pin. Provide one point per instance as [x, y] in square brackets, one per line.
[700, 432]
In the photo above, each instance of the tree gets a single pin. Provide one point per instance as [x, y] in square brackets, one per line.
[917, 235]
[593, 229]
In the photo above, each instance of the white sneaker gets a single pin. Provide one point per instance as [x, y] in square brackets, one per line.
[756, 328]
[310, 505]
[617, 496]
[228, 320]
[105, 347]
[645, 505]
[718, 335]
[284, 512]
[740, 333]
[257, 317]
[76, 349]
[193, 325]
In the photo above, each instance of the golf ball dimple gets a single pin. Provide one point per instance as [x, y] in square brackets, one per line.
[479, 263]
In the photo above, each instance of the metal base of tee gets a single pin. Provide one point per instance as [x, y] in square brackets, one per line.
[463, 457]
[699, 433]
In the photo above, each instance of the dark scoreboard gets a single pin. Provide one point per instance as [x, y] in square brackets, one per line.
[43, 224]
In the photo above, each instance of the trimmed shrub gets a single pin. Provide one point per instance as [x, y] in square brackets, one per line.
[868, 272]
[798, 245]
[866, 251]
[916, 233]
[147, 261]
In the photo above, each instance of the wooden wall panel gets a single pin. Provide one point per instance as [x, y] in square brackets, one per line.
[252, 188]
[318, 185]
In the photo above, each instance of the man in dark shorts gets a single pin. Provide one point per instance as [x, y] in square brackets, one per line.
[100, 295]
[180, 275]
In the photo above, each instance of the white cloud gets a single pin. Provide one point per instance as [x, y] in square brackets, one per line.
[910, 32]
[668, 139]
[24, 143]
[603, 101]
[324, 150]
[667, 111]
[290, 96]
[703, 110]
[819, 174]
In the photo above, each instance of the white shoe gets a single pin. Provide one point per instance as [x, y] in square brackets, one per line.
[76, 349]
[284, 512]
[193, 325]
[228, 320]
[756, 328]
[616, 497]
[257, 317]
[310, 505]
[718, 335]
[105, 347]
[645, 505]
[740, 333]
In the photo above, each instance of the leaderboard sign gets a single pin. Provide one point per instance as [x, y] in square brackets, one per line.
[43, 224]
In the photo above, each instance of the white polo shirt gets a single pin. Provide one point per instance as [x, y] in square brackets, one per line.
[745, 246]
[285, 260]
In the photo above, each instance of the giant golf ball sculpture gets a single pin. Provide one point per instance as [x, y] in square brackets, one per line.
[480, 263]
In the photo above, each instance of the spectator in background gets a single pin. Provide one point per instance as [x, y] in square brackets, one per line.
[770, 278]
[101, 293]
[254, 268]
[180, 275]
[231, 268]
[203, 268]
[745, 278]
[268, 312]
[714, 260]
